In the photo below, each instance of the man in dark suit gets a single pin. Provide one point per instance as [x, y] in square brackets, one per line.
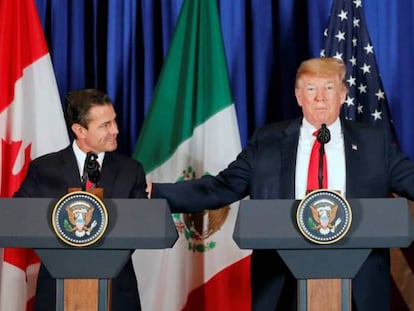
[362, 162]
[91, 117]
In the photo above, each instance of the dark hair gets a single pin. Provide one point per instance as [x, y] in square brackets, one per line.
[79, 103]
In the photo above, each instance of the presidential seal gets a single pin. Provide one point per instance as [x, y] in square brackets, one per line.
[79, 219]
[324, 217]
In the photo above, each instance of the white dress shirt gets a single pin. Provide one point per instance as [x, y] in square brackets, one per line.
[335, 157]
[81, 157]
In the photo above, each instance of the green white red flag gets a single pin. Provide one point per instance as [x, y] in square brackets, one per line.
[191, 130]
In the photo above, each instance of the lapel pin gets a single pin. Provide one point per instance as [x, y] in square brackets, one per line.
[354, 147]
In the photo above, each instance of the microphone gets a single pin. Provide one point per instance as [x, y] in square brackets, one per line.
[323, 136]
[91, 169]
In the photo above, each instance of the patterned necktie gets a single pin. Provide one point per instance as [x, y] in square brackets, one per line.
[313, 169]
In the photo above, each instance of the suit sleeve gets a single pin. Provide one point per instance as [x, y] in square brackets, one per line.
[140, 185]
[401, 172]
[211, 192]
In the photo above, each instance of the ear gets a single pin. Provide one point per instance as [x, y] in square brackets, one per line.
[78, 130]
[298, 96]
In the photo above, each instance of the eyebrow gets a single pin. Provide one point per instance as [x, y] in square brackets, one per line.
[313, 83]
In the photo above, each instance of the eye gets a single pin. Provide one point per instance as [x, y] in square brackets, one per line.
[106, 125]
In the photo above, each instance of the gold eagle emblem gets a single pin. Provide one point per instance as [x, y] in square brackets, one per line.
[324, 216]
[80, 215]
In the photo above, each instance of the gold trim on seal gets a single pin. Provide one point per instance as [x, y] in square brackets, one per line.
[330, 198]
[78, 196]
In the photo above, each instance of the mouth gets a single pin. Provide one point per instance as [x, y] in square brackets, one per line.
[111, 142]
[111, 138]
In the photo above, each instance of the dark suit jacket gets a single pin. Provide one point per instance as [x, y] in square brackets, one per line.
[121, 177]
[265, 169]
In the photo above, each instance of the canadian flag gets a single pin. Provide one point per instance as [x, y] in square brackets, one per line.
[31, 124]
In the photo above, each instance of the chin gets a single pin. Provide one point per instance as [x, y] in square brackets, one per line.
[323, 120]
[111, 148]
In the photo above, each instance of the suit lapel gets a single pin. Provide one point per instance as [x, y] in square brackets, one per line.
[69, 167]
[70, 171]
[288, 156]
[352, 145]
[108, 173]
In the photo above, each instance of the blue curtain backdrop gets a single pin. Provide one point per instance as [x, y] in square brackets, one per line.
[118, 46]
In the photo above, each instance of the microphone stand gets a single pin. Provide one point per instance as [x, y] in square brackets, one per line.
[93, 170]
[323, 136]
[84, 179]
[320, 169]
[90, 170]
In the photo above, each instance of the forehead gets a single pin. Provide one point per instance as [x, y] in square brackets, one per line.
[101, 112]
[319, 79]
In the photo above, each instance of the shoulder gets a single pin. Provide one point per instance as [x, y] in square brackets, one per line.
[278, 130]
[357, 129]
[122, 160]
[53, 157]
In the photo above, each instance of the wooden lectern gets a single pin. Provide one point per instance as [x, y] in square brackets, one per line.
[133, 224]
[91, 294]
[270, 224]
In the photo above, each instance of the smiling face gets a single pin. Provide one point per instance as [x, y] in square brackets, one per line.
[101, 132]
[320, 90]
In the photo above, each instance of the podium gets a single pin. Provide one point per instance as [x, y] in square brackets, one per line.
[133, 224]
[271, 224]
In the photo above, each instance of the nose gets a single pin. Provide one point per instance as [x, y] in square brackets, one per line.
[319, 95]
[114, 128]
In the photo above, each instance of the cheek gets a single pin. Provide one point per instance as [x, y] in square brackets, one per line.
[304, 100]
[97, 138]
[108, 138]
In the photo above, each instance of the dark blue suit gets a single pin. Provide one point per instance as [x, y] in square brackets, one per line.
[51, 176]
[265, 169]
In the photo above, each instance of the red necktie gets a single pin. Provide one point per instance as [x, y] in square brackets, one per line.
[89, 184]
[313, 182]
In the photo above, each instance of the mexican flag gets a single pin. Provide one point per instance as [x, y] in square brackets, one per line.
[31, 124]
[191, 130]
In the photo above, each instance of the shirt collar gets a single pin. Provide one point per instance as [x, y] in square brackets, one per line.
[334, 129]
[81, 156]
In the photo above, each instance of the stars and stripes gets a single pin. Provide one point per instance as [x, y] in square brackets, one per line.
[347, 38]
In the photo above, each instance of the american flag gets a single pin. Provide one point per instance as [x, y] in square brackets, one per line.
[347, 38]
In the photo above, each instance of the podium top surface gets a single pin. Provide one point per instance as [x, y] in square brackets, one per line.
[132, 224]
[376, 223]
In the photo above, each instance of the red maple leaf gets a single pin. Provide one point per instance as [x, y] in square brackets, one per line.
[9, 181]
